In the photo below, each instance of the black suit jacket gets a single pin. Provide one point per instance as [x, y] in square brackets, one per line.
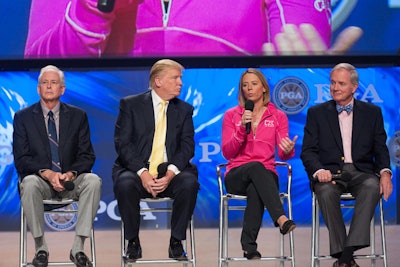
[134, 132]
[322, 143]
[31, 145]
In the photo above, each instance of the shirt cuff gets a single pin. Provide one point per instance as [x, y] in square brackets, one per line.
[139, 172]
[388, 171]
[174, 169]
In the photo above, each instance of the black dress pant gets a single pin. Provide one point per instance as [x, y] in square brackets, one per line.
[183, 190]
[261, 188]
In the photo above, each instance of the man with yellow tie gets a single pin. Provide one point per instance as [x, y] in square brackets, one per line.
[154, 140]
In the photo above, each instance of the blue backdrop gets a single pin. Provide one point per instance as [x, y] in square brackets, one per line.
[211, 92]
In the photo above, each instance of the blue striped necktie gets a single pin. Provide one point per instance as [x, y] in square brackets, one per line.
[55, 160]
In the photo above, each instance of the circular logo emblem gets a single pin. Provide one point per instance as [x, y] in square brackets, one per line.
[62, 221]
[394, 148]
[291, 95]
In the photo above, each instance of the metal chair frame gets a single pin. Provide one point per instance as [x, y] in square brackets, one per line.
[191, 257]
[347, 203]
[23, 262]
[223, 258]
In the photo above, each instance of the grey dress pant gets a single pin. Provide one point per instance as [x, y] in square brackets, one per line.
[365, 188]
[33, 190]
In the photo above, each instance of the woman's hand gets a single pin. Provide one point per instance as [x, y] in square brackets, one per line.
[287, 145]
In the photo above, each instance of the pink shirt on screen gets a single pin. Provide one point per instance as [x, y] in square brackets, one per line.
[194, 27]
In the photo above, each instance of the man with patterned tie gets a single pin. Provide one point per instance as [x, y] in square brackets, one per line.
[51, 145]
[156, 128]
[347, 135]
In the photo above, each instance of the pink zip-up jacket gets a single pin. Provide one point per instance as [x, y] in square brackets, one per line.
[240, 148]
[76, 28]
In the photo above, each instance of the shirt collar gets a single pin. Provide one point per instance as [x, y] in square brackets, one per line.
[56, 110]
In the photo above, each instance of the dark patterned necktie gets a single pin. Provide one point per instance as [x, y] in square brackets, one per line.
[55, 160]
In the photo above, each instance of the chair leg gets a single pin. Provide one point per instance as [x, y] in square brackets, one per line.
[221, 233]
[93, 247]
[123, 244]
[383, 233]
[22, 240]
[192, 242]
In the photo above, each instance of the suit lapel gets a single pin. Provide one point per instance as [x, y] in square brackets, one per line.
[64, 121]
[333, 121]
[172, 116]
[358, 121]
[41, 127]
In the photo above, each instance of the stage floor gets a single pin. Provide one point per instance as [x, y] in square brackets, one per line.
[155, 244]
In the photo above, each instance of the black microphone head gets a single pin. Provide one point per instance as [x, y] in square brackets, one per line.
[249, 105]
[105, 6]
[69, 185]
[162, 169]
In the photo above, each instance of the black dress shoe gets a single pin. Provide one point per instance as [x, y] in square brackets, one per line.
[287, 227]
[353, 263]
[133, 252]
[80, 259]
[41, 259]
[252, 255]
[175, 251]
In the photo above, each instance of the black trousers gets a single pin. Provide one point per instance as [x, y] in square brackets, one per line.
[183, 190]
[261, 188]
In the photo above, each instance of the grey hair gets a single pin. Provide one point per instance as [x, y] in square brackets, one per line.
[350, 68]
[55, 69]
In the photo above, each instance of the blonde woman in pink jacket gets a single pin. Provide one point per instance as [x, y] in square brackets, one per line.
[77, 28]
[251, 156]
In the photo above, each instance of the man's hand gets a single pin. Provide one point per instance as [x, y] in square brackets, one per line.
[386, 185]
[162, 183]
[148, 182]
[54, 179]
[324, 176]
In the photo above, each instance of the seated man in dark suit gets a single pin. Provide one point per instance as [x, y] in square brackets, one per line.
[153, 128]
[347, 135]
[52, 148]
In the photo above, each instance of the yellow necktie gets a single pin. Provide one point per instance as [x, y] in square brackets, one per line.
[157, 152]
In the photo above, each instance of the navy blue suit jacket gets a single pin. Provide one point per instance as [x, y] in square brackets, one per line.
[322, 143]
[134, 132]
[31, 145]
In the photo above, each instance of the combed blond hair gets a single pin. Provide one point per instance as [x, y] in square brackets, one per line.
[159, 67]
[260, 75]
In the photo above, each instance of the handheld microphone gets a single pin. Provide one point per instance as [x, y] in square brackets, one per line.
[162, 169]
[68, 185]
[344, 177]
[105, 6]
[249, 105]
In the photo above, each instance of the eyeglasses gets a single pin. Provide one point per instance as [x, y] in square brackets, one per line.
[51, 83]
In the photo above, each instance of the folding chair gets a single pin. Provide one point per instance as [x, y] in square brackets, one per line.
[347, 203]
[225, 207]
[63, 207]
[191, 256]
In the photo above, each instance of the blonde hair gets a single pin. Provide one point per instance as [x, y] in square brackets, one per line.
[260, 75]
[159, 67]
